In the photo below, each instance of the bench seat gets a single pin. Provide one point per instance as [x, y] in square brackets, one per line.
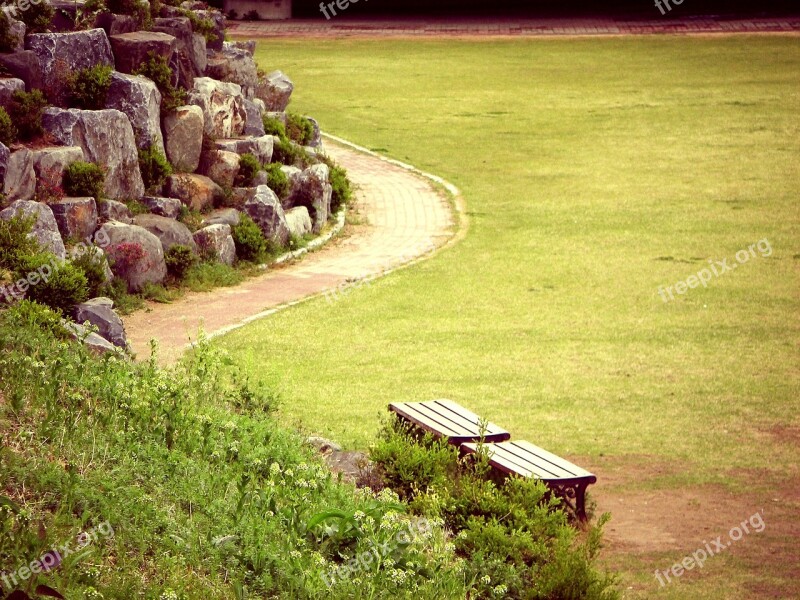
[448, 420]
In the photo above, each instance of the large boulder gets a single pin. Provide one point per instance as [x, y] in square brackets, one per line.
[298, 221]
[234, 65]
[16, 34]
[223, 216]
[136, 255]
[217, 240]
[96, 343]
[131, 49]
[76, 217]
[223, 107]
[260, 147]
[316, 139]
[312, 189]
[169, 231]
[50, 163]
[100, 313]
[106, 137]
[198, 192]
[254, 122]
[275, 90]
[8, 86]
[164, 207]
[60, 54]
[199, 52]
[224, 168]
[216, 37]
[111, 210]
[116, 24]
[185, 60]
[183, 137]
[44, 229]
[266, 210]
[20, 177]
[24, 65]
[140, 100]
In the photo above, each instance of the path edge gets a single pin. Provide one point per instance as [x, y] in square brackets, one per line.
[461, 223]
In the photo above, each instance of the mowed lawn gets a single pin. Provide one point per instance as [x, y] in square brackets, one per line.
[594, 171]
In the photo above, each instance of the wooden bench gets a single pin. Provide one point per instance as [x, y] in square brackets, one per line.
[566, 480]
[448, 420]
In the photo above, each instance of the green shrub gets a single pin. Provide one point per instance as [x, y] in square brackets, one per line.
[8, 133]
[83, 179]
[37, 17]
[277, 180]
[135, 8]
[156, 68]
[88, 88]
[299, 129]
[155, 168]
[342, 188]
[248, 168]
[179, 260]
[25, 111]
[62, 289]
[288, 153]
[249, 239]
[202, 25]
[92, 263]
[205, 276]
[273, 126]
[15, 245]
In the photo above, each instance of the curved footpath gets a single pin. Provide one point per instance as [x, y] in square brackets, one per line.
[399, 218]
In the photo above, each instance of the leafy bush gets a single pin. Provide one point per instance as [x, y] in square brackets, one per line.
[299, 129]
[62, 289]
[202, 25]
[135, 8]
[88, 88]
[274, 126]
[26, 110]
[8, 133]
[277, 180]
[15, 245]
[516, 539]
[156, 68]
[179, 260]
[83, 179]
[248, 168]
[289, 153]
[342, 188]
[155, 168]
[249, 240]
[37, 17]
[92, 263]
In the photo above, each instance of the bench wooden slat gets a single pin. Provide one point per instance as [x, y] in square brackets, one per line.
[447, 419]
[524, 458]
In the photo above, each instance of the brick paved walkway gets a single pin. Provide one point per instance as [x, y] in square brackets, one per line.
[340, 27]
[403, 217]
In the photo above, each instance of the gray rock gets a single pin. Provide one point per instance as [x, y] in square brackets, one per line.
[275, 90]
[260, 147]
[223, 107]
[106, 137]
[44, 229]
[24, 65]
[254, 123]
[95, 342]
[298, 221]
[223, 216]
[216, 239]
[164, 207]
[195, 191]
[16, 32]
[49, 163]
[224, 168]
[169, 231]
[183, 137]
[266, 210]
[234, 65]
[316, 140]
[20, 178]
[136, 255]
[100, 256]
[76, 217]
[260, 178]
[240, 195]
[312, 190]
[5, 154]
[139, 99]
[111, 210]
[116, 24]
[217, 37]
[63, 53]
[8, 87]
[199, 52]
[184, 59]
[131, 49]
[99, 312]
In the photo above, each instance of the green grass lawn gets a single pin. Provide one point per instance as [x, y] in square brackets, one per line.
[594, 171]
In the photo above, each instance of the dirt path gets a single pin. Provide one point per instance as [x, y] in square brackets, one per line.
[399, 217]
